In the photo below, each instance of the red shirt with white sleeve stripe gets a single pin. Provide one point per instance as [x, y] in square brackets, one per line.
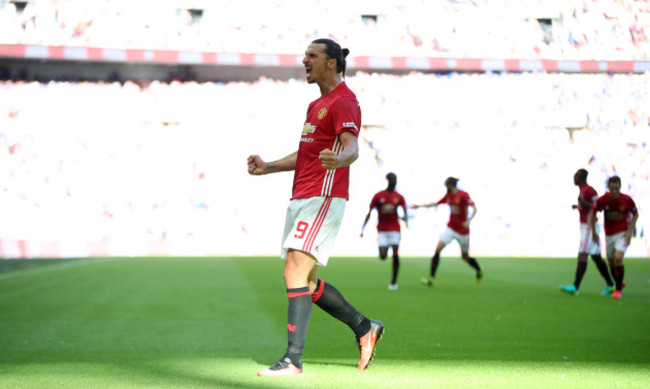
[458, 203]
[589, 194]
[617, 212]
[386, 204]
[327, 117]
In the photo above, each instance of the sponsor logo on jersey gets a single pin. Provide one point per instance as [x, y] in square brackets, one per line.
[322, 113]
[350, 124]
[308, 129]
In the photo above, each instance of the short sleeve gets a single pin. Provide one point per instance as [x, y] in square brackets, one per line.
[346, 116]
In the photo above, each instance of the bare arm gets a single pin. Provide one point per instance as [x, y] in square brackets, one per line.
[583, 202]
[257, 166]
[346, 157]
[630, 228]
[592, 223]
[365, 222]
[416, 206]
[469, 219]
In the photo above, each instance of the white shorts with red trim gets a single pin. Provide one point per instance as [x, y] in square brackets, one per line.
[449, 235]
[587, 244]
[615, 243]
[312, 225]
[388, 238]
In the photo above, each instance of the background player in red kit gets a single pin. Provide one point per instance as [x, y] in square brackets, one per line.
[588, 246]
[457, 228]
[386, 203]
[621, 215]
[328, 146]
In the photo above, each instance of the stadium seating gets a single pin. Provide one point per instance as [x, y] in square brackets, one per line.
[128, 169]
[540, 29]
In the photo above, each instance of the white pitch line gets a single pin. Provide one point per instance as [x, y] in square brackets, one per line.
[58, 266]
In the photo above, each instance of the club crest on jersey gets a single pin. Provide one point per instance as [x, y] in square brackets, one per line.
[322, 113]
[308, 129]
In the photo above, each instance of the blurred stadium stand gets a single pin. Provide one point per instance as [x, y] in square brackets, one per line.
[124, 129]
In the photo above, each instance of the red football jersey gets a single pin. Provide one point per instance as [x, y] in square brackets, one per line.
[589, 194]
[386, 204]
[327, 117]
[458, 203]
[617, 212]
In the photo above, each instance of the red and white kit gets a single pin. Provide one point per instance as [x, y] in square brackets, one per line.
[388, 227]
[458, 204]
[319, 195]
[587, 244]
[617, 215]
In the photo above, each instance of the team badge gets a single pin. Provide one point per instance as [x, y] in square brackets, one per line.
[322, 113]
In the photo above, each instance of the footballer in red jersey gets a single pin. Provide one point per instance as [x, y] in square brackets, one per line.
[457, 229]
[621, 215]
[328, 146]
[588, 246]
[387, 203]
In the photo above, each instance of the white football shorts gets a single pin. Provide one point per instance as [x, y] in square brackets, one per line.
[614, 243]
[587, 244]
[312, 225]
[388, 238]
[449, 235]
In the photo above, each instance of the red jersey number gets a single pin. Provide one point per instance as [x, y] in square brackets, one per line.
[301, 228]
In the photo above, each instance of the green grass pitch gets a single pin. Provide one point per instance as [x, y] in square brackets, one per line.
[213, 322]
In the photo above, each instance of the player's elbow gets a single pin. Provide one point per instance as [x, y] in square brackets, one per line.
[354, 156]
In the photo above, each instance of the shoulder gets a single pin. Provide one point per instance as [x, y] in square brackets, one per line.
[343, 97]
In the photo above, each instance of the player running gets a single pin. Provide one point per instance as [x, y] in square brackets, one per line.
[386, 203]
[457, 228]
[328, 146]
[621, 215]
[588, 246]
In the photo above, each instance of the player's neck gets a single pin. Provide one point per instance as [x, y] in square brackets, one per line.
[328, 85]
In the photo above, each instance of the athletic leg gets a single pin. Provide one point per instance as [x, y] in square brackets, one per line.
[383, 252]
[395, 249]
[367, 331]
[299, 267]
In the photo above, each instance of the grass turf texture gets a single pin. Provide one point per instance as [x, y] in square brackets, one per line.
[213, 322]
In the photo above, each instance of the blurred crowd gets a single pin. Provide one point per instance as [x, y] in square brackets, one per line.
[165, 162]
[548, 29]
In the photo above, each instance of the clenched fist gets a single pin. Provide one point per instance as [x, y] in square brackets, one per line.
[328, 159]
[256, 166]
